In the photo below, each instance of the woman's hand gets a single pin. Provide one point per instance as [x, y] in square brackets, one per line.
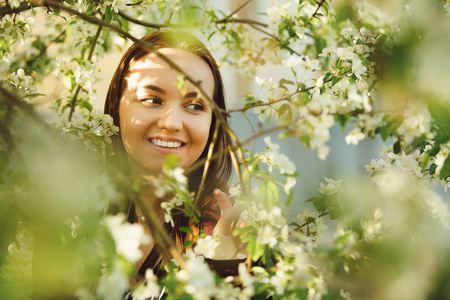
[229, 247]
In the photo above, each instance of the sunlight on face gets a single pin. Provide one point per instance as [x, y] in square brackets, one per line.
[157, 119]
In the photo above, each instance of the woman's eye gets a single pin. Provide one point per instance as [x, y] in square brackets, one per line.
[196, 106]
[152, 100]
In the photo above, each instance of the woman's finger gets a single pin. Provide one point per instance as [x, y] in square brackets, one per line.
[229, 214]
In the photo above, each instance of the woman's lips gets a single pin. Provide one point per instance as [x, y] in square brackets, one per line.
[165, 146]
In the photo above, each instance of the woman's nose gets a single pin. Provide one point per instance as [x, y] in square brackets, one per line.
[170, 120]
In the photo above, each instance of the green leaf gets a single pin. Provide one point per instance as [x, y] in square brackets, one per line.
[86, 104]
[243, 230]
[327, 76]
[306, 140]
[290, 198]
[188, 244]
[393, 122]
[382, 39]
[424, 161]
[283, 109]
[445, 171]
[320, 203]
[250, 98]
[321, 43]
[342, 120]
[285, 81]
[186, 229]
[433, 169]
[68, 31]
[235, 36]
[335, 80]
[303, 98]
[268, 194]
[255, 249]
[342, 239]
[335, 210]
[108, 14]
[32, 95]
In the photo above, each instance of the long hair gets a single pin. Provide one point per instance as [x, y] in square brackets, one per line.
[220, 169]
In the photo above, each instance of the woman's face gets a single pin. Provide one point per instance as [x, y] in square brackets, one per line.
[157, 118]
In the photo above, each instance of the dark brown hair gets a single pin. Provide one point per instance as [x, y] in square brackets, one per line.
[220, 168]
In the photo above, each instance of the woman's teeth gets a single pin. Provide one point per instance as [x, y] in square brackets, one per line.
[165, 144]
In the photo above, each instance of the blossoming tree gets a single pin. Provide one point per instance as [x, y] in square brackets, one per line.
[377, 76]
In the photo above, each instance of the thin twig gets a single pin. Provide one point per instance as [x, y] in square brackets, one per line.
[238, 9]
[270, 130]
[232, 135]
[275, 38]
[26, 109]
[319, 5]
[324, 213]
[243, 21]
[207, 163]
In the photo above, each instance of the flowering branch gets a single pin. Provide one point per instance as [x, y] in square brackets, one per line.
[239, 8]
[319, 5]
[287, 98]
[73, 102]
[25, 108]
[7, 10]
[324, 213]
[275, 38]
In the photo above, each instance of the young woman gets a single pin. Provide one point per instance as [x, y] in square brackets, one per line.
[156, 118]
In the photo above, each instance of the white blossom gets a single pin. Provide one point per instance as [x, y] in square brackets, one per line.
[148, 288]
[332, 186]
[112, 285]
[354, 137]
[128, 237]
[267, 235]
[345, 53]
[206, 246]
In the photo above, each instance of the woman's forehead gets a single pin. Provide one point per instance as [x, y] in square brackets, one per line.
[150, 66]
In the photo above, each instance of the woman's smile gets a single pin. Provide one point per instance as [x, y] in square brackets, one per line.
[166, 144]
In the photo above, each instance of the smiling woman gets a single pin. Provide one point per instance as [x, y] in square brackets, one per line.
[157, 118]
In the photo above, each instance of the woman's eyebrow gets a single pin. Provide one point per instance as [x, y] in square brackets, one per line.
[191, 95]
[155, 88]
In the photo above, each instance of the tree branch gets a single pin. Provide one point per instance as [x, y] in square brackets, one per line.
[238, 9]
[7, 10]
[319, 5]
[26, 109]
[284, 98]
[73, 102]
[324, 213]
[243, 21]
[275, 38]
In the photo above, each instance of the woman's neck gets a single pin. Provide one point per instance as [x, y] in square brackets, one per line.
[147, 194]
